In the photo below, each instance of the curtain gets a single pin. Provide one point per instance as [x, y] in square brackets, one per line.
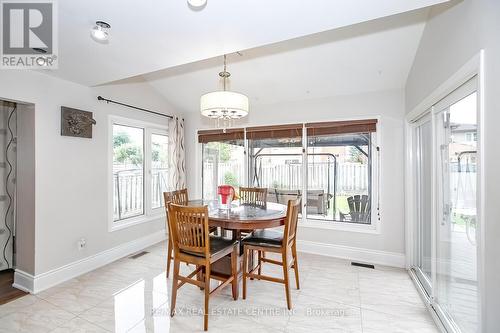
[177, 152]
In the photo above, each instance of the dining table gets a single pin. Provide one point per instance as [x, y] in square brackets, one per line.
[239, 219]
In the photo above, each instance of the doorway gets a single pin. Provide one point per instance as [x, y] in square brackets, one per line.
[8, 200]
[8, 166]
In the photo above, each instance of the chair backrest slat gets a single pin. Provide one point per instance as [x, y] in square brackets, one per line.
[359, 207]
[253, 196]
[291, 221]
[189, 228]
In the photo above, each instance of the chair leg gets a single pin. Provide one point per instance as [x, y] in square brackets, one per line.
[175, 282]
[261, 254]
[251, 267]
[199, 276]
[245, 267]
[207, 295]
[234, 271]
[287, 281]
[169, 255]
[295, 265]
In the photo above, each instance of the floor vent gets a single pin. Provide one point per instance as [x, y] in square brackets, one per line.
[362, 265]
[137, 255]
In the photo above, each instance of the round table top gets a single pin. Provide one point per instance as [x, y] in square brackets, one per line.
[243, 217]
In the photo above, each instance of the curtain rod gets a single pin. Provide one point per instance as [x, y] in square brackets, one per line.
[100, 98]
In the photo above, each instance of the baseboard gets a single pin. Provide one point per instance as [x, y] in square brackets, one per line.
[23, 281]
[40, 282]
[353, 253]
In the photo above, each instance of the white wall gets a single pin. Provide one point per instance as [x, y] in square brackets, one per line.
[71, 173]
[389, 105]
[454, 33]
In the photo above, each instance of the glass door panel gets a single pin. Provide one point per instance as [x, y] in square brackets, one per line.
[423, 158]
[456, 292]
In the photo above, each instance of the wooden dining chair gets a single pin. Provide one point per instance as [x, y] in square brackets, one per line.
[253, 196]
[193, 244]
[284, 243]
[179, 197]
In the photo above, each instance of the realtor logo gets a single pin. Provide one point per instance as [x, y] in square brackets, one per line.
[28, 35]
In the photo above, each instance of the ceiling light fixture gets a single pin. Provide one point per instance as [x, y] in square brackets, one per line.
[224, 105]
[197, 3]
[100, 32]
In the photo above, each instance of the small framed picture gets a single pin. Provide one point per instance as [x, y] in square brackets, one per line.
[76, 122]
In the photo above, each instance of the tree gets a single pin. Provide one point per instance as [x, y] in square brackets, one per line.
[225, 151]
[356, 156]
[128, 153]
[155, 152]
[120, 139]
[230, 179]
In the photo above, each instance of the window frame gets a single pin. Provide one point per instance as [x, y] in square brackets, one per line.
[374, 227]
[150, 214]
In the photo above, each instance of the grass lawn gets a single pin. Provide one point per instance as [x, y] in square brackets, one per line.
[341, 205]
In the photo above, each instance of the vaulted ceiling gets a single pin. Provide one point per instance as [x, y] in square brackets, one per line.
[365, 57]
[153, 35]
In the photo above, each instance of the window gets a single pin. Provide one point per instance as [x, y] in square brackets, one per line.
[139, 170]
[128, 172]
[331, 166]
[471, 136]
[223, 157]
[275, 161]
[339, 177]
[159, 169]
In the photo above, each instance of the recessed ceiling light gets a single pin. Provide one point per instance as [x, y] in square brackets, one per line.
[100, 32]
[197, 3]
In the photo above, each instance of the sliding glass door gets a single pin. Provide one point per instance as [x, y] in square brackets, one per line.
[446, 218]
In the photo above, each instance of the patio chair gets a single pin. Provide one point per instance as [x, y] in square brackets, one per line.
[359, 209]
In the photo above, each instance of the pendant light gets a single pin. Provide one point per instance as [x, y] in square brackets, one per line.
[224, 105]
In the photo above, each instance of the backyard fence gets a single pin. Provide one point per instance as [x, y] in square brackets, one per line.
[128, 191]
[351, 177]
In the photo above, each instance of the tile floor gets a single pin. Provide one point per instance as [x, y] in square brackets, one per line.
[132, 295]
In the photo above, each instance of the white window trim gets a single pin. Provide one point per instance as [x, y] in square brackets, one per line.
[373, 228]
[150, 214]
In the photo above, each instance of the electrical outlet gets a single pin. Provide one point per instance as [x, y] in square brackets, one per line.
[82, 243]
